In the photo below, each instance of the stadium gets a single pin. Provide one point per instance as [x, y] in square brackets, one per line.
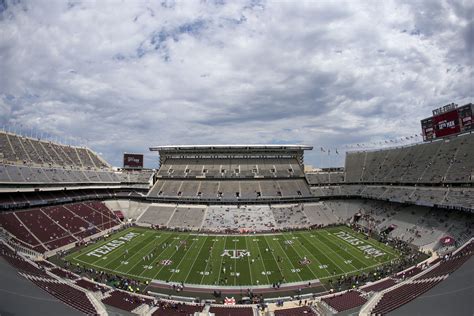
[239, 229]
[236, 158]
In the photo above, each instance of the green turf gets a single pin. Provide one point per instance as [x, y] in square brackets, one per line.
[199, 258]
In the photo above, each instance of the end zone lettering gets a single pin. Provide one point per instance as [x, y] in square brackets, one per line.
[368, 249]
[108, 247]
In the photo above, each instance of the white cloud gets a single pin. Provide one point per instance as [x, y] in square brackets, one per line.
[129, 75]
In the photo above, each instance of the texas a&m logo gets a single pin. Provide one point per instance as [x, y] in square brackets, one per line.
[235, 253]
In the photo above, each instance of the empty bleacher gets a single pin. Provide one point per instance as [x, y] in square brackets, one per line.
[52, 227]
[229, 190]
[345, 301]
[125, 301]
[231, 311]
[68, 294]
[402, 295]
[230, 168]
[296, 311]
[24, 150]
[448, 160]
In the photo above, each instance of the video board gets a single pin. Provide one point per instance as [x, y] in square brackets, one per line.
[133, 161]
[448, 120]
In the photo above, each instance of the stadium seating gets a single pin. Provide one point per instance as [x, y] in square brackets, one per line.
[402, 295]
[446, 197]
[125, 301]
[19, 263]
[448, 160]
[290, 216]
[345, 301]
[14, 174]
[297, 311]
[229, 190]
[250, 218]
[135, 176]
[405, 292]
[230, 168]
[379, 286]
[52, 227]
[24, 150]
[26, 199]
[450, 264]
[231, 311]
[189, 217]
[67, 294]
[64, 274]
[59, 289]
[176, 309]
[91, 286]
[325, 178]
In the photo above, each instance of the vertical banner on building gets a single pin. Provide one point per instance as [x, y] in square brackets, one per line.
[427, 129]
[465, 117]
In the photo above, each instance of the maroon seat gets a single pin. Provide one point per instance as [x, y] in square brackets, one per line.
[231, 311]
[379, 286]
[125, 301]
[408, 273]
[401, 295]
[67, 294]
[298, 311]
[345, 301]
[45, 264]
[19, 263]
[176, 309]
[449, 265]
[57, 226]
[91, 286]
[63, 273]
[13, 225]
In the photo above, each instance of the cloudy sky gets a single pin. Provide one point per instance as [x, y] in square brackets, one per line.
[125, 75]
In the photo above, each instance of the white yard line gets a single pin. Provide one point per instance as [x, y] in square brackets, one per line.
[337, 254]
[209, 260]
[330, 259]
[309, 265]
[279, 268]
[182, 259]
[191, 267]
[222, 260]
[314, 256]
[248, 260]
[151, 263]
[160, 256]
[263, 262]
[100, 268]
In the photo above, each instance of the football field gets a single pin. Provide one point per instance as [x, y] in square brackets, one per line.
[227, 260]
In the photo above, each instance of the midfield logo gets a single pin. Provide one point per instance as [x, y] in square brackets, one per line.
[166, 262]
[235, 253]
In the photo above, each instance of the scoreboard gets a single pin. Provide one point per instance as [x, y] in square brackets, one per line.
[448, 120]
[133, 161]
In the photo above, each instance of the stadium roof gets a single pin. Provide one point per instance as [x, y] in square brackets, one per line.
[236, 147]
